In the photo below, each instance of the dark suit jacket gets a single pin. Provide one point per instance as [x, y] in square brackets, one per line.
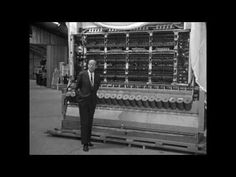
[84, 88]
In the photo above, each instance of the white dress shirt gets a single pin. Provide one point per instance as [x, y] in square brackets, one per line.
[91, 74]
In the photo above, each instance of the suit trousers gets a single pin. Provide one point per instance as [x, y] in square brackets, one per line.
[86, 110]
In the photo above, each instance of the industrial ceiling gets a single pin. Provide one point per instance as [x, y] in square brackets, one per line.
[60, 29]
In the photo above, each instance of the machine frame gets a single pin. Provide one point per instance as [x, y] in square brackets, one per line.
[147, 126]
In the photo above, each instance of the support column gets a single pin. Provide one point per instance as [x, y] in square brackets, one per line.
[201, 121]
[176, 38]
[71, 54]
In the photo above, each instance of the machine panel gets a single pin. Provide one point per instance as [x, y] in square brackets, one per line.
[145, 80]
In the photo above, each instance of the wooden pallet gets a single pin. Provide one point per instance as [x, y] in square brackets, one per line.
[134, 140]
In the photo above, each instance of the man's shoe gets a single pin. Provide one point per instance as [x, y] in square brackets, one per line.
[90, 144]
[85, 148]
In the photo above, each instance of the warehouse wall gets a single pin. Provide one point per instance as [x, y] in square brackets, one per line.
[55, 54]
[40, 36]
[34, 62]
[57, 50]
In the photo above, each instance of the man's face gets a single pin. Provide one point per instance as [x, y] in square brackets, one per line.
[92, 65]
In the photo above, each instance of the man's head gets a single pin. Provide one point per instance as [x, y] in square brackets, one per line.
[91, 65]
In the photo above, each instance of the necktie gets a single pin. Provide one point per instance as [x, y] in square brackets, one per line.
[91, 75]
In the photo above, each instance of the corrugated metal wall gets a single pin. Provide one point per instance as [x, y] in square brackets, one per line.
[56, 49]
[40, 36]
[34, 62]
[55, 54]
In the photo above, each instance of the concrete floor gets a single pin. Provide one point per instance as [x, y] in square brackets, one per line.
[45, 114]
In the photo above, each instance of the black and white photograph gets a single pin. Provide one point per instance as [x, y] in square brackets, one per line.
[117, 88]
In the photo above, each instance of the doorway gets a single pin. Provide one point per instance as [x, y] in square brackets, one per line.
[38, 60]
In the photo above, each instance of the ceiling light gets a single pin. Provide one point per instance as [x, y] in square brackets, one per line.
[58, 24]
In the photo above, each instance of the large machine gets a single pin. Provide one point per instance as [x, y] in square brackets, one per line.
[148, 95]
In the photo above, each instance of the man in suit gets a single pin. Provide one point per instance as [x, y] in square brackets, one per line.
[87, 85]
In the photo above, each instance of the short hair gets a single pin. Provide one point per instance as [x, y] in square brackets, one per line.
[92, 59]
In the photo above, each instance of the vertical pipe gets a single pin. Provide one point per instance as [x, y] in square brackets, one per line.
[201, 111]
[49, 64]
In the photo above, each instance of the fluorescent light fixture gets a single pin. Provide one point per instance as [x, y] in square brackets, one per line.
[58, 24]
